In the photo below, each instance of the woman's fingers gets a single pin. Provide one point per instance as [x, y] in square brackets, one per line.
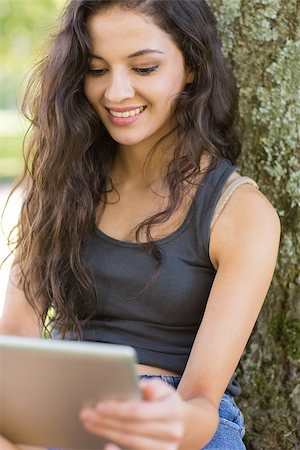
[134, 441]
[166, 410]
[154, 422]
[111, 447]
[164, 430]
[161, 402]
[155, 389]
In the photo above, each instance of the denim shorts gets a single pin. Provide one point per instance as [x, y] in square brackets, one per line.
[230, 431]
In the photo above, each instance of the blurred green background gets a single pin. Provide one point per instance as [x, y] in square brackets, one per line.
[24, 27]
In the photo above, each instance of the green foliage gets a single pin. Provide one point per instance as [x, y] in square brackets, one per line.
[11, 156]
[24, 24]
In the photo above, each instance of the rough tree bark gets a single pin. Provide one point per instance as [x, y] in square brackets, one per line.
[262, 41]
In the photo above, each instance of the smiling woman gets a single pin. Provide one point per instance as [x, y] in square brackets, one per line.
[134, 87]
[124, 230]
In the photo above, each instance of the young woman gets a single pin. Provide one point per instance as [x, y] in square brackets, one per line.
[136, 227]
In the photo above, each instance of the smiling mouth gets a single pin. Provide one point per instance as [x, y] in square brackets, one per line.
[129, 113]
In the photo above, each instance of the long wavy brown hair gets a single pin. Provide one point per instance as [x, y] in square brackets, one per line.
[69, 154]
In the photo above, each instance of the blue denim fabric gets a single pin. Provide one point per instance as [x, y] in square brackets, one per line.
[230, 432]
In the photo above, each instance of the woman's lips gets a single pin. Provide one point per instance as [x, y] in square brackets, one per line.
[125, 117]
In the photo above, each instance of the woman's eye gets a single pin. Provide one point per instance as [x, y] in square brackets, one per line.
[96, 72]
[139, 70]
[145, 70]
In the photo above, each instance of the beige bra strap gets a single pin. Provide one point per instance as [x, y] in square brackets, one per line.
[226, 194]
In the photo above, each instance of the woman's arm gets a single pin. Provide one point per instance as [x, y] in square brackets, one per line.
[244, 245]
[18, 317]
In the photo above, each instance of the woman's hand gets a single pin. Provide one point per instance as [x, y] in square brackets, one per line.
[153, 423]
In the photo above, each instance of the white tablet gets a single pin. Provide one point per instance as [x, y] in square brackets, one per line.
[44, 384]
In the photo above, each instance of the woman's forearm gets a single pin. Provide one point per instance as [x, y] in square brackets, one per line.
[200, 423]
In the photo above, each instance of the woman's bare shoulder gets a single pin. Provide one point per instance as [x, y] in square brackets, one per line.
[248, 218]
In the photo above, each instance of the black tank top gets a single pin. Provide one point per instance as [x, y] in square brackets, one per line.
[159, 316]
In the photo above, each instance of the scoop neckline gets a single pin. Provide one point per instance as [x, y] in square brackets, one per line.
[169, 237]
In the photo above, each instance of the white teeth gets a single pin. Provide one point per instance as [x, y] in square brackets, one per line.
[130, 113]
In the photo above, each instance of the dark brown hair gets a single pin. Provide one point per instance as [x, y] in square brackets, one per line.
[69, 153]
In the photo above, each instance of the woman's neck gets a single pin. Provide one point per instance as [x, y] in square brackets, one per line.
[137, 163]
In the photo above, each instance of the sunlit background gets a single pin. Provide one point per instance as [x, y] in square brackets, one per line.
[24, 28]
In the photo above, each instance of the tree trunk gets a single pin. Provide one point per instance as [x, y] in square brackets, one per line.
[262, 41]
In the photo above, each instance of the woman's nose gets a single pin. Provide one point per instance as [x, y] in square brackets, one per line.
[118, 89]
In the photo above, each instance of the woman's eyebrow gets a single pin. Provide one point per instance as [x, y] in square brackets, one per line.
[132, 55]
[145, 52]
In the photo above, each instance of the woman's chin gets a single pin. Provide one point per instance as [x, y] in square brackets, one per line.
[127, 141]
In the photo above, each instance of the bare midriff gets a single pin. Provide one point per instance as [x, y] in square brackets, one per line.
[143, 369]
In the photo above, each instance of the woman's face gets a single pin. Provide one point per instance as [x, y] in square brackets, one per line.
[135, 72]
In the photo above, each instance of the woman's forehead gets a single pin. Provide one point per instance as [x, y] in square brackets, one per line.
[130, 31]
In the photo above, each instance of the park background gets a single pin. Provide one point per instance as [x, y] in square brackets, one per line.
[262, 41]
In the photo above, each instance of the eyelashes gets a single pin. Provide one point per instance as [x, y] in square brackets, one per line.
[146, 70]
[139, 70]
[96, 72]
